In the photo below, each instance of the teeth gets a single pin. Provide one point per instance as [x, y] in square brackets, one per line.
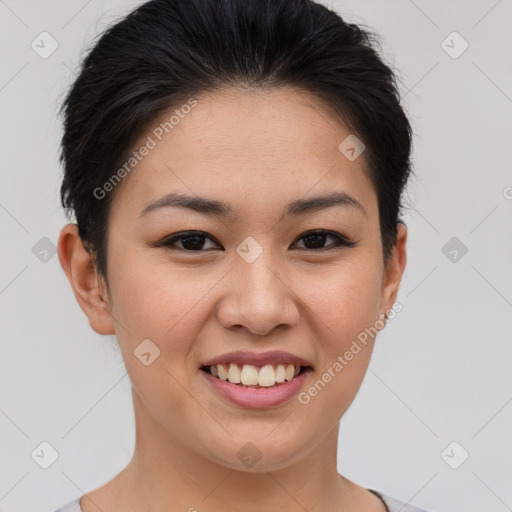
[223, 374]
[267, 376]
[280, 373]
[289, 372]
[250, 375]
[234, 374]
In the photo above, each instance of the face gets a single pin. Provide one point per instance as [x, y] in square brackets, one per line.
[278, 273]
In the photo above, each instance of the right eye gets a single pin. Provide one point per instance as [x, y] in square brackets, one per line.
[191, 241]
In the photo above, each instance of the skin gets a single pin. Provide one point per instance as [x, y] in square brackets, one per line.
[257, 151]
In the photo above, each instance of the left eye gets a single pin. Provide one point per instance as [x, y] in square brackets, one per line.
[194, 241]
[316, 239]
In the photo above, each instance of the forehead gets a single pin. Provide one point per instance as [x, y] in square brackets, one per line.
[265, 146]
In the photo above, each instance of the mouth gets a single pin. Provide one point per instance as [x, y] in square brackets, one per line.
[266, 376]
[256, 380]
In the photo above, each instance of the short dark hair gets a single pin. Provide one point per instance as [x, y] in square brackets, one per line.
[166, 51]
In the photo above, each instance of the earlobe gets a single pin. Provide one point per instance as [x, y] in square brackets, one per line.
[84, 279]
[394, 269]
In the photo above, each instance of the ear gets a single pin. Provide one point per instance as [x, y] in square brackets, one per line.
[89, 288]
[394, 270]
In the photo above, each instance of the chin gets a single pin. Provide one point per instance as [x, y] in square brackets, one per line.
[258, 455]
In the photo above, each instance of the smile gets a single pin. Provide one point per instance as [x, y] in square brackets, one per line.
[274, 391]
[248, 375]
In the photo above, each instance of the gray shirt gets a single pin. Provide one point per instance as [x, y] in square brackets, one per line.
[392, 505]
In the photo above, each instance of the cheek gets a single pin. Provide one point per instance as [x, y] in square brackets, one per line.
[149, 305]
[346, 308]
[158, 303]
[346, 301]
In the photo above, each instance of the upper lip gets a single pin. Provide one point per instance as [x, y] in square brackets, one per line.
[258, 358]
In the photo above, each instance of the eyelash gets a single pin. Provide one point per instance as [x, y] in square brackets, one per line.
[341, 241]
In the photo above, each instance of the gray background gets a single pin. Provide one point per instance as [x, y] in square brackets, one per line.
[441, 369]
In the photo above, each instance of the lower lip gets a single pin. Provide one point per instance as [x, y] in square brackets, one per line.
[257, 398]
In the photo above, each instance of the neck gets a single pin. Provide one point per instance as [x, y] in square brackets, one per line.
[165, 474]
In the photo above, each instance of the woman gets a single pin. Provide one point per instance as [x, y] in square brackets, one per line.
[235, 169]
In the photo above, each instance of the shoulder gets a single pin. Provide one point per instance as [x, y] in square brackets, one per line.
[395, 505]
[72, 506]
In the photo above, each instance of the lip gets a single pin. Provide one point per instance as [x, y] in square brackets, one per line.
[258, 359]
[257, 398]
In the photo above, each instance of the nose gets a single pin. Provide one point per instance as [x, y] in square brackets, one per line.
[258, 298]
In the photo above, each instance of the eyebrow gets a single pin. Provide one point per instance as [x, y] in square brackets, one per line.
[220, 209]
